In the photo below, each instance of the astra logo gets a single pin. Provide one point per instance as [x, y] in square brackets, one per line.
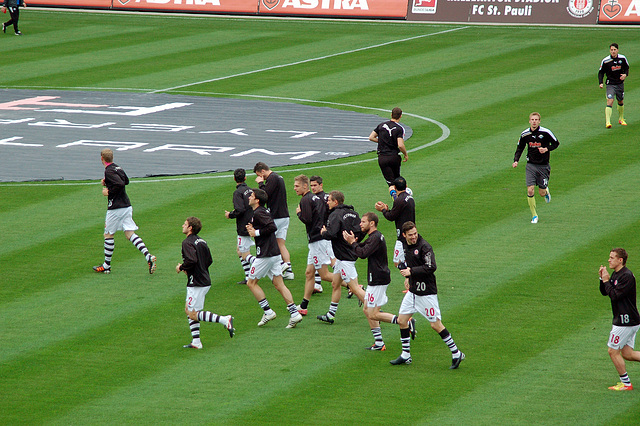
[326, 4]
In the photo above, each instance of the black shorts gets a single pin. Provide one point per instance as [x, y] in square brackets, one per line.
[390, 166]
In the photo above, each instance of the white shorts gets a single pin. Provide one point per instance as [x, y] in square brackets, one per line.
[119, 220]
[329, 248]
[622, 336]
[283, 225]
[195, 297]
[266, 266]
[346, 269]
[376, 295]
[398, 252]
[427, 305]
[318, 255]
[245, 243]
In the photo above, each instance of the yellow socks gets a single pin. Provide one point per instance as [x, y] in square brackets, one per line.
[532, 205]
[607, 114]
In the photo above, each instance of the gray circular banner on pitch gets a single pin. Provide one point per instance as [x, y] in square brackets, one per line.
[49, 135]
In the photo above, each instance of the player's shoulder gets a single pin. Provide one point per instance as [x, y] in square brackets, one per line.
[606, 59]
[622, 56]
[525, 132]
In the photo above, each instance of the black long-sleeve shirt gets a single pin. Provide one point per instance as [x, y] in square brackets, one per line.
[374, 249]
[613, 68]
[621, 288]
[342, 218]
[312, 214]
[196, 259]
[242, 212]
[534, 139]
[266, 243]
[421, 260]
[403, 210]
[115, 179]
[276, 191]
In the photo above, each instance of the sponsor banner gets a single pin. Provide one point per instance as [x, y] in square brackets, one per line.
[344, 8]
[211, 6]
[619, 11]
[505, 11]
[102, 4]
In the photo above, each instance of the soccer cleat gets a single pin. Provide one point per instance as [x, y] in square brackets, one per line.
[376, 348]
[243, 282]
[266, 318]
[547, 197]
[288, 275]
[192, 346]
[230, 329]
[608, 125]
[317, 288]
[621, 387]
[4, 28]
[302, 312]
[325, 318]
[294, 320]
[455, 362]
[622, 122]
[400, 360]
[102, 269]
[412, 328]
[152, 264]
[534, 219]
[18, 33]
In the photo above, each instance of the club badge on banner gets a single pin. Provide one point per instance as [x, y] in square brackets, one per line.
[619, 12]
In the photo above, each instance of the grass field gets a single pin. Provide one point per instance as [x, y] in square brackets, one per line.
[521, 300]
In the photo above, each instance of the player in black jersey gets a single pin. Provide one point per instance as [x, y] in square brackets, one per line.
[273, 184]
[13, 6]
[403, 210]
[374, 249]
[390, 139]
[621, 288]
[242, 213]
[267, 261]
[420, 280]
[616, 68]
[539, 142]
[196, 259]
[342, 217]
[316, 186]
[119, 213]
[311, 211]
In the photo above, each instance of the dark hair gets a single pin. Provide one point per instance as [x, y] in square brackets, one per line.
[614, 45]
[195, 224]
[400, 183]
[371, 217]
[337, 196]
[407, 226]
[621, 253]
[261, 196]
[239, 175]
[260, 166]
[316, 178]
[396, 113]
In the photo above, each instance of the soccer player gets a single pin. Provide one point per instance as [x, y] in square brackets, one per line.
[267, 261]
[420, 280]
[311, 212]
[621, 288]
[616, 68]
[539, 141]
[374, 249]
[119, 213]
[273, 184]
[13, 6]
[403, 210]
[390, 139]
[196, 259]
[342, 217]
[317, 188]
[242, 213]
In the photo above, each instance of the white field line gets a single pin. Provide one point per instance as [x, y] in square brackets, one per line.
[304, 61]
[445, 134]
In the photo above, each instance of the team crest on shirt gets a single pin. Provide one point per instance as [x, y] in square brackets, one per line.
[415, 252]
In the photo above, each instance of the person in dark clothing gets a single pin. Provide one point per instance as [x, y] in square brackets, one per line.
[403, 210]
[13, 6]
[390, 139]
[242, 213]
[616, 68]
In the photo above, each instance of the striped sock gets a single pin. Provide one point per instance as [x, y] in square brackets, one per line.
[317, 278]
[394, 320]
[377, 336]
[208, 316]
[109, 245]
[405, 339]
[246, 266]
[264, 304]
[195, 331]
[137, 241]
[448, 340]
[333, 308]
[293, 310]
[625, 379]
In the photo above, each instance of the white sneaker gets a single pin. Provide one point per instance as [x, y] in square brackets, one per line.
[288, 275]
[547, 197]
[193, 346]
[535, 219]
[317, 288]
[266, 318]
[295, 319]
